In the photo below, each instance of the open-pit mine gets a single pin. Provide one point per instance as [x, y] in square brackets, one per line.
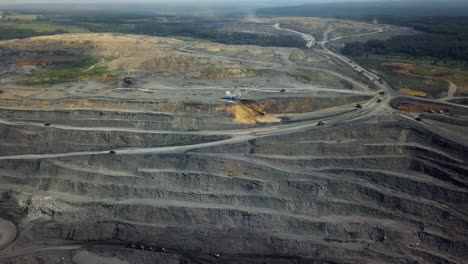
[119, 148]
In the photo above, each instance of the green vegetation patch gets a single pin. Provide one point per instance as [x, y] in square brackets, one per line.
[435, 88]
[298, 56]
[13, 30]
[190, 39]
[459, 76]
[44, 27]
[184, 27]
[28, 17]
[105, 27]
[452, 74]
[321, 77]
[348, 71]
[270, 55]
[69, 72]
[442, 38]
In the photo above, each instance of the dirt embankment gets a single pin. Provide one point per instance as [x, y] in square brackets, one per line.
[417, 108]
[103, 103]
[225, 73]
[251, 112]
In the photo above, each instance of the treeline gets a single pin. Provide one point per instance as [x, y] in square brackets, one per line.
[211, 33]
[172, 26]
[423, 45]
[368, 8]
[442, 38]
[210, 29]
[18, 33]
[445, 25]
[240, 38]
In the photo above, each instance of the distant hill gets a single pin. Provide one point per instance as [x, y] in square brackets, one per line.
[366, 9]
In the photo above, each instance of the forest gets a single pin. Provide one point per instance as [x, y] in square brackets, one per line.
[357, 9]
[144, 24]
[442, 38]
[210, 32]
[17, 33]
[443, 28]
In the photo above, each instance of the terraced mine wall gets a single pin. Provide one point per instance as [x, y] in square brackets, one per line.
[366, 193]
[42, 140]
[103, 103]
[138, 119]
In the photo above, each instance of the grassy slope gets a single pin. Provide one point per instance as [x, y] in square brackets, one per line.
[68, 73]
[41, 27]
[29, 25]
[456, 75]
[320, 78]
[21, 16]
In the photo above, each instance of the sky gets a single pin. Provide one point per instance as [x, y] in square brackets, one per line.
[246, 3]
[173, 1]
[272, 2]
[207, 4]
[213, 7]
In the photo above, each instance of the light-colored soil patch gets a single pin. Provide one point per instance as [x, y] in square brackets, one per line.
[249, 114]
[412, 92]
[225, 73]
[249, 52]
[417, 108]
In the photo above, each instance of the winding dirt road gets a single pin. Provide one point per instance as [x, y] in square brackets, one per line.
[369, 75]
[7, 233]
[310, 40]
[186, 49]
